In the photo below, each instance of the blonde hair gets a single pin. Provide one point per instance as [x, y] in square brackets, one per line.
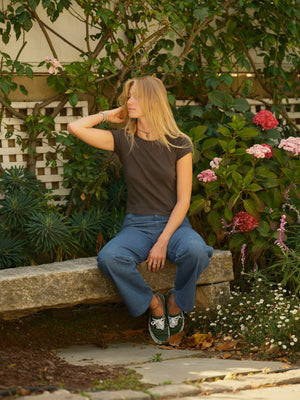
[152, 96]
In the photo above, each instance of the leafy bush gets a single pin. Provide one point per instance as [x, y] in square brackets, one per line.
[11, 252]
[242, 176]
[97, 186]
[264, 319]
[33, 230]
[85, 228]
[48, 233]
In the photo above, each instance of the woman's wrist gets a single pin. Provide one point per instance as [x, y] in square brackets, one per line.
[104, 116]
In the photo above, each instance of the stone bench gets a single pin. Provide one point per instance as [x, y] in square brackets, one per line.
[25, 290]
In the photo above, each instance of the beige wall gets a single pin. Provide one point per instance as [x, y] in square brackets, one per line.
[37, 48]
[70, 28]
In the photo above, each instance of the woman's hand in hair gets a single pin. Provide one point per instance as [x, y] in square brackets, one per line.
[116, 116]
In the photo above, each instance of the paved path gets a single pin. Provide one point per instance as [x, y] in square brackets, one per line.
[182, 374]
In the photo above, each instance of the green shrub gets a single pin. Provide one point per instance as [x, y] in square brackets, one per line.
[11, 252]
[239, 197]
[266, 317]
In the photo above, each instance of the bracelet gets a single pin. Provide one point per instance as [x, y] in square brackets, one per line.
[104, 115]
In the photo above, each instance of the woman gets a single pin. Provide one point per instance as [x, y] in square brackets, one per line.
[157, 163]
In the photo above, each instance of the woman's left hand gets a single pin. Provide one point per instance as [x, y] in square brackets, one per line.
[157, 256]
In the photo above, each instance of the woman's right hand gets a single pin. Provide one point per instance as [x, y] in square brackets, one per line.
[116, 116]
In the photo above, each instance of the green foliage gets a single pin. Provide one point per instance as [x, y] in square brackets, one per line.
[286, 270]
[85, 228]
[266, 317]
[11, 251]
[16, 209]
[193, 46]
[97, 186]
[31, 230]
[18, 179]
[243, 183]
[48, 232]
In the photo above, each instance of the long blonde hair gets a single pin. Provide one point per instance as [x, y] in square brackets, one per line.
[152, 96]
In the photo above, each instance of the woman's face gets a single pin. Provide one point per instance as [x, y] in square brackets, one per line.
[133, 105]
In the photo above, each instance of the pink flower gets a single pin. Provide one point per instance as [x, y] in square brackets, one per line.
[207, 176]
[281, 231]
[291, 144]
[261, 150]
[266, 119]
[55, 64]
[243, 254]
[215, 163]
[245, 222]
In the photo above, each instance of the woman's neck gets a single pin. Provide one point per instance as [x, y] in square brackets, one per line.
[144, 130]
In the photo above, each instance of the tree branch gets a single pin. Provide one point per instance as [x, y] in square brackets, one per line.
[12, 110]
[41, 24]
[257, 74]
[62, 38]
[60, 106]
[39, 106]
[87, 34]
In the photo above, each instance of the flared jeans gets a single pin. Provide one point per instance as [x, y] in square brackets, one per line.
[120, 256]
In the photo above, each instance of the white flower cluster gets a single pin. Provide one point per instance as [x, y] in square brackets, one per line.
[262, 317]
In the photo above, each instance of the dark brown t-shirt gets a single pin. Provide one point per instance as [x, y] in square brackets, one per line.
[150, 172]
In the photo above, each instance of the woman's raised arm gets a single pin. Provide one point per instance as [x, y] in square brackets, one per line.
[83, 128]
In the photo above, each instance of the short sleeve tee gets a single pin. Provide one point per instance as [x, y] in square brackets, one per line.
[150, 172]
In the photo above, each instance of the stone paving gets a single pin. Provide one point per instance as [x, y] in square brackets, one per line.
[189, 377]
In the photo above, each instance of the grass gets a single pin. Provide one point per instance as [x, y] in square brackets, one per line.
[129, 381]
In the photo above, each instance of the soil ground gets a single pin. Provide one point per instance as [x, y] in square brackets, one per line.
[28, 348]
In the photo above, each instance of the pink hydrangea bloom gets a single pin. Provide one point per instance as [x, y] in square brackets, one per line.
[207, 176]
[261, 150]
[265, 119]
[215, 162]
[55, 64]
[291, 144]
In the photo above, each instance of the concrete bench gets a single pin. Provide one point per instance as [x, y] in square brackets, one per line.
[25, 290]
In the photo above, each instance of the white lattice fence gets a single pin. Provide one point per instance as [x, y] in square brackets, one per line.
[11, 154]
[292, 107]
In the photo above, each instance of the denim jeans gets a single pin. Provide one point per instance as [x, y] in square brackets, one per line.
[120, 256]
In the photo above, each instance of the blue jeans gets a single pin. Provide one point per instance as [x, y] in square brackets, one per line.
[120, 256]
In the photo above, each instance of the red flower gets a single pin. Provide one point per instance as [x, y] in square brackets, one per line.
[270, 153]
[244, 221]
[266, 119]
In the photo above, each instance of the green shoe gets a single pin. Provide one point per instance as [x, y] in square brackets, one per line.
[158, 326]
[176, 322]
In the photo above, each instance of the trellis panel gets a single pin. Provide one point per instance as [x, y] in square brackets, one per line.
[10, 151]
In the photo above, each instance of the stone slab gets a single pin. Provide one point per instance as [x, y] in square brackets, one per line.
[118, 395]
[123, 353]
[57, 395]
[291, 392]
[173, 390]
[25, 290]
[177, 366]
[209, 296]
[289, 377]
[193, 369]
